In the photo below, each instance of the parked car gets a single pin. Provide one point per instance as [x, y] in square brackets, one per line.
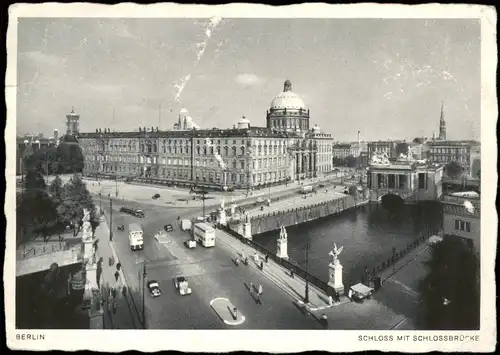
[168, 227]
[156, 196]
[321, 185]
[154, 288]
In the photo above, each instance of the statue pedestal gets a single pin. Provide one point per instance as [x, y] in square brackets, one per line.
[282, 249]
[233, 209]
[222, 217]
[247, 230]
[335, 278]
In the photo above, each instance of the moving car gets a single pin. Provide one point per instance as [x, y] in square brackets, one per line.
[182, 285]
[156, 196]
[133, 212]
[154, 288]
[190, 243]
[168, 227]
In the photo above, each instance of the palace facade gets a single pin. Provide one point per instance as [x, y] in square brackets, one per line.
[242, 157]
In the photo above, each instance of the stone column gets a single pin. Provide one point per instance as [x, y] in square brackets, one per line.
[335, 277]
[222, 216]
[282, 248]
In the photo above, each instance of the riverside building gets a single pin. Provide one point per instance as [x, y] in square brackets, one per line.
[245, 156]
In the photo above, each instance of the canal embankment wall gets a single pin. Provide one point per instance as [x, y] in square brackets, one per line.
[271, 221]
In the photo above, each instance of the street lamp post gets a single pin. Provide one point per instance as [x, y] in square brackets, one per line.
[110, 219]
[393, 259]
[144, 274]
[116, 185]
[306, 296]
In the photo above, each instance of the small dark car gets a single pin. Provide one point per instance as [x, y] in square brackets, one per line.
[154, 288]
[168, 227]
[156, 196]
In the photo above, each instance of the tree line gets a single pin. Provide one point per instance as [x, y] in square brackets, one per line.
[66, 158]
[43, 211]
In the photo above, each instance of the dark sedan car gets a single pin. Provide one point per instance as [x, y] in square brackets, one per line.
[154, 288]
[156, 196]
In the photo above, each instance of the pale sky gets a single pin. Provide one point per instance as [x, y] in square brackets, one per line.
[386, 78]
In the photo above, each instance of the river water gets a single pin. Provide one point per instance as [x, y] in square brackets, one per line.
[368, 233]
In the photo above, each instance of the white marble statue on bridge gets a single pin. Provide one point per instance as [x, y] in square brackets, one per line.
[282, 247]
[335, 270]
[335, 253]
[86, 226]
[222, 203]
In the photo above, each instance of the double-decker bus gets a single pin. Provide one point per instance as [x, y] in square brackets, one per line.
[204, 234]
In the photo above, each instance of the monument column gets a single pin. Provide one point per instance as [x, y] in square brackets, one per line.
[335, 271]
[282, 248]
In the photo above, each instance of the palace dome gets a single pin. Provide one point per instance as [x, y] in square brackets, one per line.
[287, 99]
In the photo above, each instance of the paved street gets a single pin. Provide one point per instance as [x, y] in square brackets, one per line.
[211, 274]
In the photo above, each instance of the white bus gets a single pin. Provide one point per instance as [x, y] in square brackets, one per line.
[204, 234]
[135, 236]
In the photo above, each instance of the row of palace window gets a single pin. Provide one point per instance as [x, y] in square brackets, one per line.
[448, 150]
[448, 158]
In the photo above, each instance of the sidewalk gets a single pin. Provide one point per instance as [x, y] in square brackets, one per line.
[123, 318]
[294, 287]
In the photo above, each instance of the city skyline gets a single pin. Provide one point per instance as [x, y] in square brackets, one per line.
[117, 73]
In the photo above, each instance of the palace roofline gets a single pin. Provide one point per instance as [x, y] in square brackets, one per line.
[199, 133]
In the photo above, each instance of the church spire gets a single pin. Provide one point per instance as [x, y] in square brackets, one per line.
[442, 124]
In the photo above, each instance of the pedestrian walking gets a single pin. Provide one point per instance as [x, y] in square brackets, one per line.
[251, 286]
[117, 275]
[111, 261]
[118, 266]
[291, 273]
[267, 258]
[262, 265]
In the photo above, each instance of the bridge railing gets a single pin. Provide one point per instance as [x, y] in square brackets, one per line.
[291, 267]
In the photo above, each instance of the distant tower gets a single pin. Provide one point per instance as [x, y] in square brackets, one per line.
[72, 123]
[56, 134]
[442, 125]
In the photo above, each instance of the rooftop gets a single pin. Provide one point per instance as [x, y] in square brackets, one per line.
[195, 133]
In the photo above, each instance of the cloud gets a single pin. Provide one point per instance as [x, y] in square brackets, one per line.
[248, 79]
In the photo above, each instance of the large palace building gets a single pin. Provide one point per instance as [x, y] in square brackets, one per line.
[241, 157]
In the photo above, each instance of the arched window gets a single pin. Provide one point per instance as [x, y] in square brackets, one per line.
[218, 150]
[226, 150]
[212, 150]
[234, 151]
[198, 150]
[242, 150]
[204, 150]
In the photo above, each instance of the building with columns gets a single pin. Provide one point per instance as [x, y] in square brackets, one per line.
[242, 157]
[404, 177]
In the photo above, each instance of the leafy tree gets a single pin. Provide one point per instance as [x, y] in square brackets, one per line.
[450, 291]
[56, 189]
[417, 140]
[70, 158]
[34, 180]
[36, 214]
[350, 161]
[453, 169]
[75, 198]
[476, 168]
[401, 148]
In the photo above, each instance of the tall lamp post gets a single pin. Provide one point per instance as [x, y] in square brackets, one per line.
[116, 184]
[144, 274]
[110, 219]
[306, 296]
